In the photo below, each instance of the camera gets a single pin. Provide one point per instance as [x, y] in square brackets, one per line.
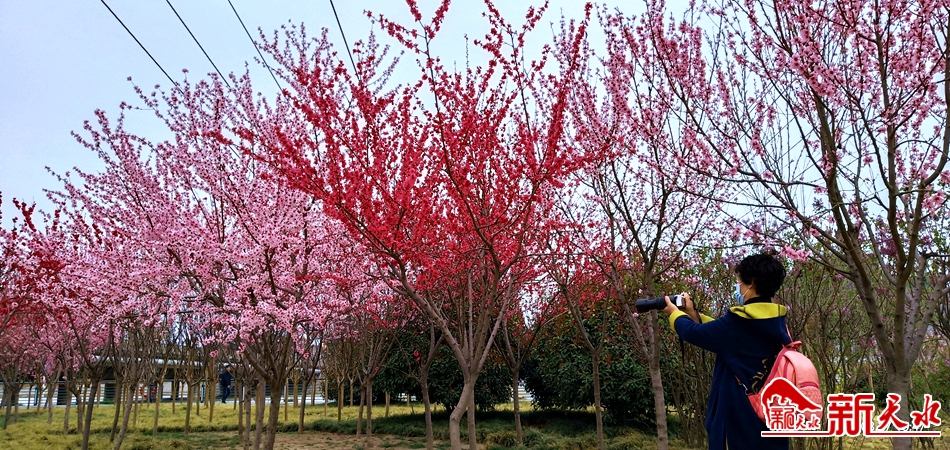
[649, 304]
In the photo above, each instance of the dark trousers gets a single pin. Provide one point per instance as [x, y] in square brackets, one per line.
[225, 393]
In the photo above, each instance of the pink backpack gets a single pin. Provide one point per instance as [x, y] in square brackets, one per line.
[800, 372]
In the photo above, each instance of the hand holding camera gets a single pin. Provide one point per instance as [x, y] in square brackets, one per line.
[667, 304]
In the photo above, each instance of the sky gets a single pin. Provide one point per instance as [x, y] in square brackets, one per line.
[60, 60]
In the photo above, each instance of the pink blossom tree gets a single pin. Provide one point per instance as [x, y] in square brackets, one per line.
[831, 120]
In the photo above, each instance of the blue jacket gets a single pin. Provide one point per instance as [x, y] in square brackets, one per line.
[746, 341]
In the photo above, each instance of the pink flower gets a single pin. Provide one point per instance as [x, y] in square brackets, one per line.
[795, 255]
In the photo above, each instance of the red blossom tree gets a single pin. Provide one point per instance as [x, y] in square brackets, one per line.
[444, 180]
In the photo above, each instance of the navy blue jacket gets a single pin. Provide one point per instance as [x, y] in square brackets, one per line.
[746, 341]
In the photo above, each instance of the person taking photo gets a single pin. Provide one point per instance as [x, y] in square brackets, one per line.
[746, 340]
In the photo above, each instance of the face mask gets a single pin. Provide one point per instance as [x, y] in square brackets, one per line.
[740, 297]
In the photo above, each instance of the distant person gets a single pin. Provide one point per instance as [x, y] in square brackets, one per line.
[746, 340]
[225, 379]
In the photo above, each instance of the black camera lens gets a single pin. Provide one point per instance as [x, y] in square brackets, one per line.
[650, 304]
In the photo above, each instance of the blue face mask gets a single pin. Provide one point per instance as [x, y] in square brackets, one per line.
[740, 298]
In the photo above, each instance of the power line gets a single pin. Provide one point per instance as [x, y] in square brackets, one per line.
[346, 44]
[255, 45]
[223, 78]
[140, 43]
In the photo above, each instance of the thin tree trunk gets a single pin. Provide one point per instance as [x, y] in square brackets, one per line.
[211, 395]
[387, 405]
[126, 413]
[79, 408]
[16, 404]
[137, 399]
[259, 413]
[275, 396]
[339, 402]
[455, 419]
[49, 398]
[659, 402]
[69, 404]
[119, 396]
[188, 408]
[472, 437]
[176, 390]
[359, 416]
[87, 425]
[7, 400]
[515, 378]
[158, 405]
[427, 404]
[247, 416]
[598, 413]
[303, 404]
[369, 413]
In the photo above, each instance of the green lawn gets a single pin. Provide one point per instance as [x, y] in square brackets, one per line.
[543, 430]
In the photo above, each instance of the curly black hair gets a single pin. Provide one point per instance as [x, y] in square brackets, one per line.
[762, 270]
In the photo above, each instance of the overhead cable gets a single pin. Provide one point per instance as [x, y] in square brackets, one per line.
[140, 43]
[223, 78]
[255, 45]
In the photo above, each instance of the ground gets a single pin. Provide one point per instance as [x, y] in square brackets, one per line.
[330, 441]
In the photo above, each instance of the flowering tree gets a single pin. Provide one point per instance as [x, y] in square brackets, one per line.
[832, 117]
[652, 210]
[444, 180]
[206, 233]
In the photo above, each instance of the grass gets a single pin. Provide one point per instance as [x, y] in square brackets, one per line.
[553, 430]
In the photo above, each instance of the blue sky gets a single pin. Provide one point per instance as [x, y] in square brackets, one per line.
[60, 60]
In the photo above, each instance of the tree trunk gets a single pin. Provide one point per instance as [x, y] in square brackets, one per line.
[470, 415]
[369, 413]
[49, 400]
[158, 404]
[455, 419]
[259, 413]
[656, 382]
[79, 409]
[69, 404]
[339, 402]
[87, 423]
[303, 404]
[246, 413]
[351, 392]
[210, 397]
[126, 414]
[8, 404]
[188, 404]
[898, 382]
[359, 416]
[275, 397]
[598, 413]
[119, 396]
[427, 404]
[137, 399]
[239, 400]
[387, 405]
[16, 403]
[515, 378]
[175, 392]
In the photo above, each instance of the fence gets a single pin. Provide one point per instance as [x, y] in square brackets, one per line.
[32, 395]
